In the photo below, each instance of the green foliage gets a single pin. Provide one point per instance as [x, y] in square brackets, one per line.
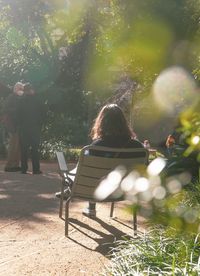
[190, 128]
[48, 151]
[101, 41]
[176, 212]
[155, 253]
[171, 206]
[188, 158]
[72, 154]
[49, 148]
[69, 129]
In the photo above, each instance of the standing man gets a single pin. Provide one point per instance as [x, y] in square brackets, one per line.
[10, 121]
[30, 116]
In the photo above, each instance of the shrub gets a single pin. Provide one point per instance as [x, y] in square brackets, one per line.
[48, 151]
[72, 154]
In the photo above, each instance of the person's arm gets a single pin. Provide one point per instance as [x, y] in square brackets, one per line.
[136, 143]
[97, 142]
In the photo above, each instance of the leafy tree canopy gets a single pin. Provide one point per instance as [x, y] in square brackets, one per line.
[74, 51]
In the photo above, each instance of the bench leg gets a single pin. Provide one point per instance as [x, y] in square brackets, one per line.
[135, 222]
[112, 209]
[61, 200]
[66, 218]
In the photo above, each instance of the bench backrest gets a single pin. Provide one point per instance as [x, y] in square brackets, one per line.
[63, 169]
[96, 162]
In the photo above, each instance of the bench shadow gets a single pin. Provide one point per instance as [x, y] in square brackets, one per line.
[106, 241]
[122, 223]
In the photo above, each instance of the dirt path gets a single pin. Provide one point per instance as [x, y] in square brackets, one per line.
[32, 240]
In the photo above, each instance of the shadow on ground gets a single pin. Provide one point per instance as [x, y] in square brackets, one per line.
[104, 239]
[27, 195]
[32, 235]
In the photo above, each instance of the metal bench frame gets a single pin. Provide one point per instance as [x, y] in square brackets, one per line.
[94, 164]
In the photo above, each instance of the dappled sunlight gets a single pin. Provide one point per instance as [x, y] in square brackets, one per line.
[80, 54]
[8, 181]
[46, 196]
[51, 175]
[15, 38]
[4, 196]
[29, 197]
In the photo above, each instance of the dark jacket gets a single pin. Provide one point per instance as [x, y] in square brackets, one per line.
[30, 113]
[118, 142]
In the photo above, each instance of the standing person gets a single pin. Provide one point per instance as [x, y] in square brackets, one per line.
[30, 116]
[10, 121]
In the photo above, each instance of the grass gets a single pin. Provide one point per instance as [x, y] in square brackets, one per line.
[165, 250]
[155, 254]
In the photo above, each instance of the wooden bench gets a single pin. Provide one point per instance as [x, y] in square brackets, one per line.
[95, 164]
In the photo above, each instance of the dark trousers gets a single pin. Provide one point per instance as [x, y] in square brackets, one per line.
[91, 205]
[30, 140]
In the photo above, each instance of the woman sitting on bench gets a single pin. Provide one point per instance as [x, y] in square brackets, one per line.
[111, 129]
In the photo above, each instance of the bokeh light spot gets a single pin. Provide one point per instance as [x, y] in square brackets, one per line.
[129, 181]
[175, 90]
[141, 184]
[174, 186]
[159, 193]
[110, 183]
[146, 196]
[195, 140]
[156, 166]
[191, 216]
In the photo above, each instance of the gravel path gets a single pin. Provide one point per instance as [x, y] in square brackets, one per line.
[32, 240]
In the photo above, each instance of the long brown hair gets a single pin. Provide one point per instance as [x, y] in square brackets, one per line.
[111, 122]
